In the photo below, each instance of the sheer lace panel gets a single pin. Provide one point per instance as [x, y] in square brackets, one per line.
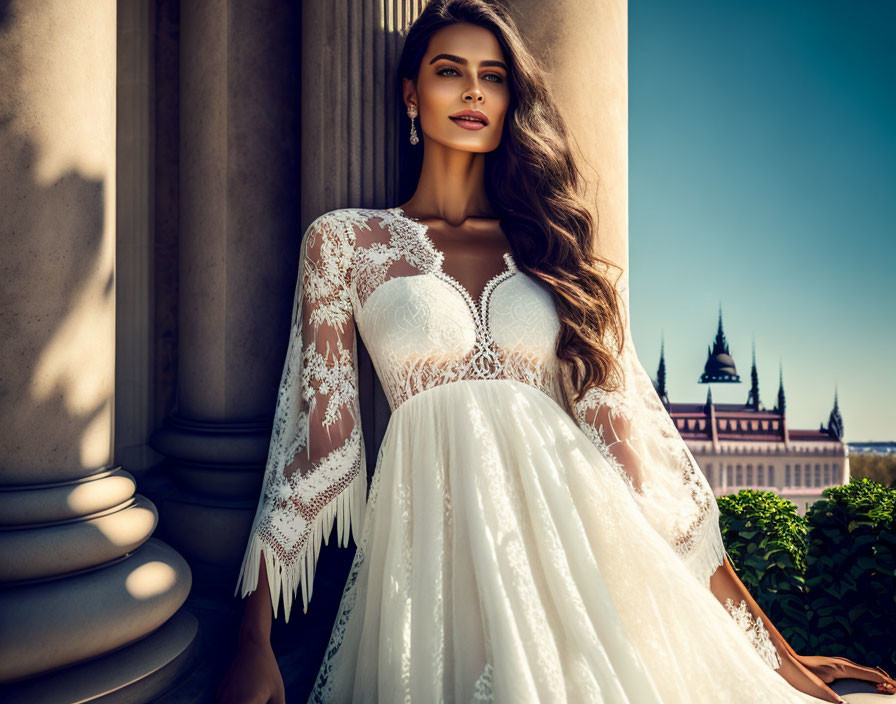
[634, 432]
[755, 630]
[315, 468]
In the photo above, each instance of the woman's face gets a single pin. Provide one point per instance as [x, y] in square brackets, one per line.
[463, 69]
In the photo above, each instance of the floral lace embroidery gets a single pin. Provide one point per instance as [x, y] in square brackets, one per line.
[330, 375]
[604, 435]
[483, 692]
[466, 350]
[315, 472]
[755, 630]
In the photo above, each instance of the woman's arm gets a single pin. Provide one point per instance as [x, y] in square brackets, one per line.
[731, 592]
[257, 613]
[315, 472]
[807, 673]
[725, 585]
[635, 434]
[253, 674]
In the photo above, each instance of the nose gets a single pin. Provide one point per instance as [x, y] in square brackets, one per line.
[474, 93]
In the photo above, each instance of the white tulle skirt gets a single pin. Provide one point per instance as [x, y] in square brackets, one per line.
[502, 559]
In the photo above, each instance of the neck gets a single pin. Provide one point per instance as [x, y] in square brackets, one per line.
[451, 186]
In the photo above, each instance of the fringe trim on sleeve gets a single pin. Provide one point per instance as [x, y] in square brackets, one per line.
[708, 551]
[348, 509]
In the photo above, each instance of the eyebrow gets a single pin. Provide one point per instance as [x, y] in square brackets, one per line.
[464, 62]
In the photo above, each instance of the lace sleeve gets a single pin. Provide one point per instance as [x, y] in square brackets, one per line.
[636, 435]
[316, 465]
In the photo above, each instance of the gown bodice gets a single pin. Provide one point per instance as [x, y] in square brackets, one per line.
[423, 328]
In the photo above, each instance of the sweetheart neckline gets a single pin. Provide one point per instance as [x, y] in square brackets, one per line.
[477, 304]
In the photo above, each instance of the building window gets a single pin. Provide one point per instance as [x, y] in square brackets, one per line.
[828, 479]
[749, 475]
[797, 475]
[760, 475]
[817, 475]
[787, 475]
[730, 475]
[739, 475]
[709, 473]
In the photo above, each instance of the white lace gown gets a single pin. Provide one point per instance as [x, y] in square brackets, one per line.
[509, 548]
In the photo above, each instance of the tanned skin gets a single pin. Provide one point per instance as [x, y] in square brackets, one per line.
[807, 673]
[253, 676]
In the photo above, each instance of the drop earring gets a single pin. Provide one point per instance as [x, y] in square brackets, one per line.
[412, 113]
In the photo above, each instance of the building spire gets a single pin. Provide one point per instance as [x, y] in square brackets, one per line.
[781, 405]
[708, 399]
[835, 420]
[753, 401]
[661, 374]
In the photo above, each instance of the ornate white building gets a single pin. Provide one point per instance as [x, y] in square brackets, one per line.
[750, 447]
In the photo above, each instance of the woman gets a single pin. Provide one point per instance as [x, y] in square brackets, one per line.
[535, 530]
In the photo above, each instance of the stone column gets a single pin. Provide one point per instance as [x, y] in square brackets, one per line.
[584, 46]
[239, 118]
[238, 258]
[90, 604]
[135, 350]
[349, 151]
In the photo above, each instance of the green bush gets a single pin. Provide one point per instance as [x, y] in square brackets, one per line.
[827, 580]
[765, 538]
[851, 573]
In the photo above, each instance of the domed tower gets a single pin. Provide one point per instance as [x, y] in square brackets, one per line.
[719, 366]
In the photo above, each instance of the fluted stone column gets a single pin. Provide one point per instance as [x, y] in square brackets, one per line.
[81, 575]
[238, 232]
[584, 46]
[238, 256]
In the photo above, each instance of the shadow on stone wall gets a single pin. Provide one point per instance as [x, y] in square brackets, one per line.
[52, 384]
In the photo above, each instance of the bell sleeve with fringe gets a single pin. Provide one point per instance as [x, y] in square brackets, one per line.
[634, 432]
[315, 469]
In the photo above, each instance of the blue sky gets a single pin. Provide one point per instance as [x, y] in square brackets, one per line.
[762, 176]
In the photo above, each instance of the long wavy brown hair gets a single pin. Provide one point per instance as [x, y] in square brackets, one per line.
[534, 184]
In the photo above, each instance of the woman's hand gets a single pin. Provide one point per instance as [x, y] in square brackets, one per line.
[253, 677]
[829, 669]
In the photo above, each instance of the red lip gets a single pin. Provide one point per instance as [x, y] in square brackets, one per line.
[478, 114]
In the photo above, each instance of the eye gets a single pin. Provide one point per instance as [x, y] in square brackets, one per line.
[496, 78]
